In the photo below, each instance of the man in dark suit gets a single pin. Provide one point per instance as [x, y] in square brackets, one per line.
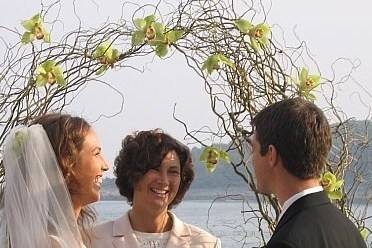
[290, 145]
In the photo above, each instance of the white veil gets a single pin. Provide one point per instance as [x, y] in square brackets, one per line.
[37, 204]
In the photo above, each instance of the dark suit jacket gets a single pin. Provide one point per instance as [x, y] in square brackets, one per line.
[314, 222]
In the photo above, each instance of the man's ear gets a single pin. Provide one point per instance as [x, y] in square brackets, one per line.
[273, 155]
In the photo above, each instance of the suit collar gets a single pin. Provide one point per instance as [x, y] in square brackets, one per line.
[308, 201]
[180, 233]
[179, 228]
[122, 226]
[122, 232]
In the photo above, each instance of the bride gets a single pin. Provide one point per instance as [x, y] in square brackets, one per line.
[53, 169]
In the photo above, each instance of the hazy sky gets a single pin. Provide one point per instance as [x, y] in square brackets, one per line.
[332, 29]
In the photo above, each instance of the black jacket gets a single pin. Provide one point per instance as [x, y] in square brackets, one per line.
[314, 222]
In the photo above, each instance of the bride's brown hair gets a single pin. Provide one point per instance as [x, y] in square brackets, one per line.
[66, 135]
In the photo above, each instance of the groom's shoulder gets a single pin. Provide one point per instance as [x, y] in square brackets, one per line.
[310, 227]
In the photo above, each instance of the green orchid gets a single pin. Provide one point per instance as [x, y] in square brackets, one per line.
[49, 72]
[155, 34]
[35, 29]
[332, 186]
[210, 157]
[307, 83]
[107, 55]
[259, 34]
[215, 61]
[147, 30]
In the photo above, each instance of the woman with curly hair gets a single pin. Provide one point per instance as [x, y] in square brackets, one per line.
[53, 170]
[154, 171]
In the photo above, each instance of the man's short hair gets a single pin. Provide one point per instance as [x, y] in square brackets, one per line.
[299, 131]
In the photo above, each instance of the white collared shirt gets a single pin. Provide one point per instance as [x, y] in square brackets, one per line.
[297, 196]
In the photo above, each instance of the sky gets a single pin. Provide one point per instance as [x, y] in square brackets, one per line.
[332, 30]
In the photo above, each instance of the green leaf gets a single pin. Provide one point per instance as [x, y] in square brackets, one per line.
[58, 73]
[150, 19]
[37, 18]
[102, 69]
[114, 56]
[264, 41]
[41, 80]
[139, 23]
[335, 195]
[211, 167]
[48, 65]
[159, 28]
[27, 37]
[138, 38]
[304, 74]
[175, 35]
[225, 60]
[28, 24]
[243, 25]
[161, 50]
[103, 50]
[41, 70]
[255, 44]
[211, 63]
[99, 52]
[160, 38]
[338, 184]
[364, 232]
[225, 156]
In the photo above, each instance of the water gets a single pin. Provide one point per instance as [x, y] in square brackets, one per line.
[223, 219]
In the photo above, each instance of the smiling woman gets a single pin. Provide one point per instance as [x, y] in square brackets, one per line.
[53, 169]
[78, 151]
[154, 171]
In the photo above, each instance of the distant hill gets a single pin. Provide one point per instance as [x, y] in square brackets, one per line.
[224, 181]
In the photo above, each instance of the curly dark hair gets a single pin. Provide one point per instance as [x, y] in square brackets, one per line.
[299, 131]
[145, 150]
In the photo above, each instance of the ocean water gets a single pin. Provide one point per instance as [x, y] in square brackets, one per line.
[232, 221]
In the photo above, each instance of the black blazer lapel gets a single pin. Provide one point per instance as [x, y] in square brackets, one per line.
[308, 201]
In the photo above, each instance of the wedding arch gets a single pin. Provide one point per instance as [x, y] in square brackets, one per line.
[243, 64]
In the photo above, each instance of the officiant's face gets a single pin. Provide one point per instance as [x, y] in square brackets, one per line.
[158, 187]
[89, 169]
[260, 164]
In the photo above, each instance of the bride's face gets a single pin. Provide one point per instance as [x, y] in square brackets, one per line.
[89, 169]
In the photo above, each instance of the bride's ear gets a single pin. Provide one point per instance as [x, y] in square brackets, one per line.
[68, 169]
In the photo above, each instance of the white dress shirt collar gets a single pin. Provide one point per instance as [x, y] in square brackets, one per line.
[297, 196]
